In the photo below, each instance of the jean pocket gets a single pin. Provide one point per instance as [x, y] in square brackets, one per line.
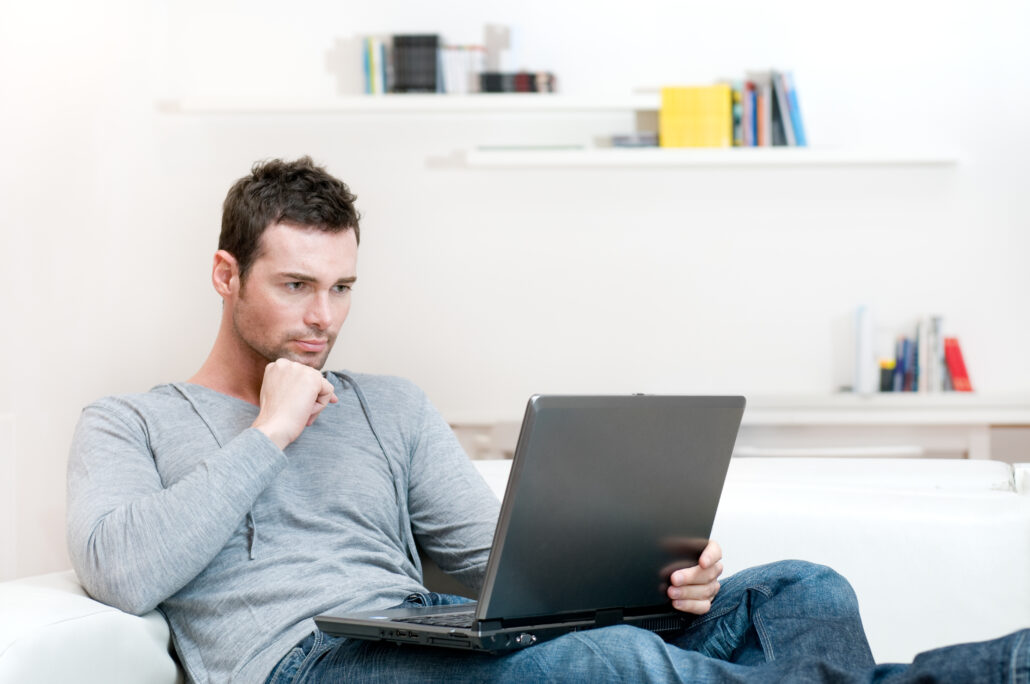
[287, 668]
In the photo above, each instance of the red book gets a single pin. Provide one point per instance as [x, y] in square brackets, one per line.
[956, 365]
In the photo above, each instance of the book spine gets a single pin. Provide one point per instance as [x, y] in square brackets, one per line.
[366, 55]
[747, 114]
[910, 366]
[783, 108]
[375, 51]
[923, 357]
[899, 366]
[956, 365]
[795, 110]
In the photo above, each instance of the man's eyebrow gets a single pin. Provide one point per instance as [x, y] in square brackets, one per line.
[301, 277]
[298, 276]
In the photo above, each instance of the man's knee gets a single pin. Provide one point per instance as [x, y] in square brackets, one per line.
[620, 650]
[807, 584]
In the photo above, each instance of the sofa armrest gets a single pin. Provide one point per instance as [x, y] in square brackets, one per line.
[51, 631]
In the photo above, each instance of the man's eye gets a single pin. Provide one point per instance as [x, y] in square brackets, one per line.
[340, 289]
[293, 287]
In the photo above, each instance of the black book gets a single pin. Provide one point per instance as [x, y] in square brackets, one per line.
[779, 135]
[415, 63]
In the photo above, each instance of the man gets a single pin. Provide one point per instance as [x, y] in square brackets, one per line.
[261, 492]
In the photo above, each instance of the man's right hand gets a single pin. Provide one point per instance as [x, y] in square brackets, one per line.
[292, 396]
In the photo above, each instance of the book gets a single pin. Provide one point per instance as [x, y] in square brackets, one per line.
[696, 116]
[922, 356]
[415, 63]
[763, 106]
[737, 91]
[748, 113]
[936, 372]
[899, 366]
[781, 111]
[909, 350]
[956, 365]
[795, 110]
[376, 64]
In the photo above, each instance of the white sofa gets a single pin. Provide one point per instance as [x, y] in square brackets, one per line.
[938, 553]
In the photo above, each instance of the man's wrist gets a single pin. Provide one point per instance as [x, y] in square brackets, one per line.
[278, 438]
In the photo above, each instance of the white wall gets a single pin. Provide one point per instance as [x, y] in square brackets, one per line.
[485, 286]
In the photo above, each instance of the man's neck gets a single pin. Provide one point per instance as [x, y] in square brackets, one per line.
[233, 371]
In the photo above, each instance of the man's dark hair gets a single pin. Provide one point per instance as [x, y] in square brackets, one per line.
[297, 193]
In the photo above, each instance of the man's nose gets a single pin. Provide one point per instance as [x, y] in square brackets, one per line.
[318, 314]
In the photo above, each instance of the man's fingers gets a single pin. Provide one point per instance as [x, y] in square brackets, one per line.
[695, 575]
[711, 555]
[695, 592]
[327, 393]
[321, 401]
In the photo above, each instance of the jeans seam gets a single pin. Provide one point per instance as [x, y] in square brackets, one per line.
[312, 656]
[1014, 665]
[593, 649]
[283, 663]
[763, 636]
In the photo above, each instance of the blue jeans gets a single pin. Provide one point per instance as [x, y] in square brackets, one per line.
[790, 621]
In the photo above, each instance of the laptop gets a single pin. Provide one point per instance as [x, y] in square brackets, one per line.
[608, 495]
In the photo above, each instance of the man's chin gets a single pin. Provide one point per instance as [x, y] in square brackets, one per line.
[315, 360]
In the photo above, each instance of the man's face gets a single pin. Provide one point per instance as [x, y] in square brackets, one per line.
[296, 294]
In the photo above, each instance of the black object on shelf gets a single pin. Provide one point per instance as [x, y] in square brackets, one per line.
[415, 63]
[521, 82]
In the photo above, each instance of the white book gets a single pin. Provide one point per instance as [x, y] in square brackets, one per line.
[923, 361]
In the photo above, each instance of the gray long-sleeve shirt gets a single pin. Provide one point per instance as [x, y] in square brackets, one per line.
[175, 502]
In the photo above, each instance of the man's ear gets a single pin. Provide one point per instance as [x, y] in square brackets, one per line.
[225, 274]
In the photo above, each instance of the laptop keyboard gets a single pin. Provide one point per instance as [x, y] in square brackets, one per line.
[442, 620]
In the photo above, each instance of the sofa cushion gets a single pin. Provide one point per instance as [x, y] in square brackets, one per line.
[53, 632]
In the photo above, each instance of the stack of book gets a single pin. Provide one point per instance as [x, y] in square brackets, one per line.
[761, 110]
[423, 64]
[928, 361]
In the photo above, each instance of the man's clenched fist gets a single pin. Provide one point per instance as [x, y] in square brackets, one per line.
[292, 396]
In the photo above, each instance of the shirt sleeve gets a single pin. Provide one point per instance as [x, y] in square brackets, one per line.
[453, 511]
[133, 541]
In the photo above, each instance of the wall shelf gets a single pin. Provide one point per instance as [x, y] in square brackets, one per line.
[893, 425]
[412, 104]
[547, 103]
[737, 157]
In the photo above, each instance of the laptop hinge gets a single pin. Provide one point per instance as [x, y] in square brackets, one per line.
[488, 625]
[608, 617]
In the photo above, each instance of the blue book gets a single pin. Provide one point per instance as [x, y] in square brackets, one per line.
[754, 116]
[899, 366]
[910, 366]
[795, 111]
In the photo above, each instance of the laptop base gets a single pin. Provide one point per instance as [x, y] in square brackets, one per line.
[489, 636]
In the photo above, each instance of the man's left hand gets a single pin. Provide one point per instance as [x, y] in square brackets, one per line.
[692, 590]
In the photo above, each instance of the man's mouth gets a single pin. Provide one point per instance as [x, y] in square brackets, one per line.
[313, 346]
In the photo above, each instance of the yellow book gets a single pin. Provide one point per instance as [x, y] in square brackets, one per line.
[696, 116]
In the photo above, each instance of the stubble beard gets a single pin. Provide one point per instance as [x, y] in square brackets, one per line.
[280, 350]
